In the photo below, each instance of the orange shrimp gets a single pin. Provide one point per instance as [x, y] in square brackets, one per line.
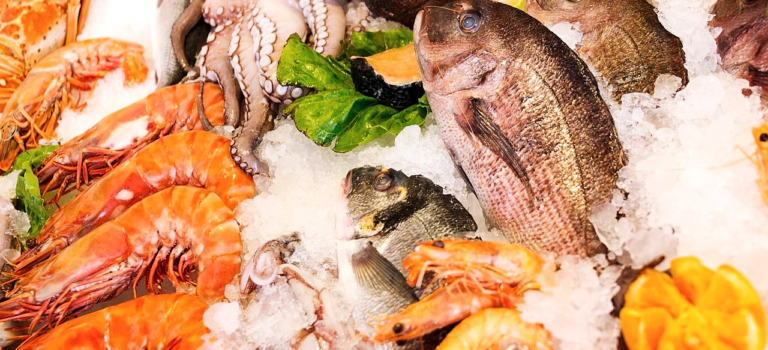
[761, 139]
[499, 328]
[445, 306]
[195, 158]
[174, 232]
[121, 134]
[491, 264]
[164, 321]
[32, 112]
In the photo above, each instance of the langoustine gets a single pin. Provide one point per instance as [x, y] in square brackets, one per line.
[30, 30]
[173, 321]
[175, 231]
[479, 275]
[242, 53]
[121, 134]
[194, 158]
[32, 112]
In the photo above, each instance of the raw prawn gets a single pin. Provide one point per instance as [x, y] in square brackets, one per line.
[761, 139]
[175, 231]
[491, 264]
[164, 321]
[498, 328]
[444, 307]
[32, 112]
[478, 275]
[121, 134]
[194, 158]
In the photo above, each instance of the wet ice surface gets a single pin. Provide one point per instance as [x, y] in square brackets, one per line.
[691, 190]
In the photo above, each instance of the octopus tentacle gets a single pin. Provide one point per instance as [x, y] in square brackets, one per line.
[327, 21]
[363, 20]
[214, 65]
[181, 28]
[276, 20]
[243, 146]
[257, 113]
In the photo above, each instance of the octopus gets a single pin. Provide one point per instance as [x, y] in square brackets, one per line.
[242, 53]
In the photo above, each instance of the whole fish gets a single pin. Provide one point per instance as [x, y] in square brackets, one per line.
[523, 118]
[743, 44]
[375, 286]
[623, 39]
[395, 211]
[167, 69]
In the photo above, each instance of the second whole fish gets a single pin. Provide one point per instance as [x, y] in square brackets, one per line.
[395, 211]
[623, 39]
[522, 117]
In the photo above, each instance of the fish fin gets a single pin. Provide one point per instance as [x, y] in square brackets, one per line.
[374, 272]
[489, 133]
[756, 77]
[466, 179]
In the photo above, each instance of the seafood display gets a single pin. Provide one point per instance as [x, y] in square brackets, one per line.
[624, 40]
[30, 30]
[194, 158]
[157, 236]
[154, 321]
[515, 218]
[33, 110]
[523, 118]
[742, 44]
[123, 133]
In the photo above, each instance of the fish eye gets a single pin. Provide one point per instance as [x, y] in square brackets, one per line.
[763, 137]
[382, 182]
[439, 244]
[398, 328]
[469, 22]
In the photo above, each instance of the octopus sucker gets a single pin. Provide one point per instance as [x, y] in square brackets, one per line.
[290, 20]
[323, 20]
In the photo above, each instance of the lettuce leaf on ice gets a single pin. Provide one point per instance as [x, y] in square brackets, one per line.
[29, 198]
[337, 111]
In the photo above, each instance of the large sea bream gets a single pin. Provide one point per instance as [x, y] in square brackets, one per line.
[523, 118]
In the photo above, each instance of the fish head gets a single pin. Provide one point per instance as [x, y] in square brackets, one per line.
[460, 43]
[370, 194]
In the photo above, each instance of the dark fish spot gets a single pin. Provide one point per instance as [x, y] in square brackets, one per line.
[400, 342]
[31, 243]
[763, 137]
[398, 328]
[438, 244]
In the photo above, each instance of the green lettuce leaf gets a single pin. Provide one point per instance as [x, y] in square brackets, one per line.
[337, 111]
[29, 198]
[300, 65]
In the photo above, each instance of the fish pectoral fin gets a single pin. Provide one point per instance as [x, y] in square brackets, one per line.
[490, 135]
[377, 274]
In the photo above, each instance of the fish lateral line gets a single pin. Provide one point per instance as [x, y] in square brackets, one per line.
[490, 135]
